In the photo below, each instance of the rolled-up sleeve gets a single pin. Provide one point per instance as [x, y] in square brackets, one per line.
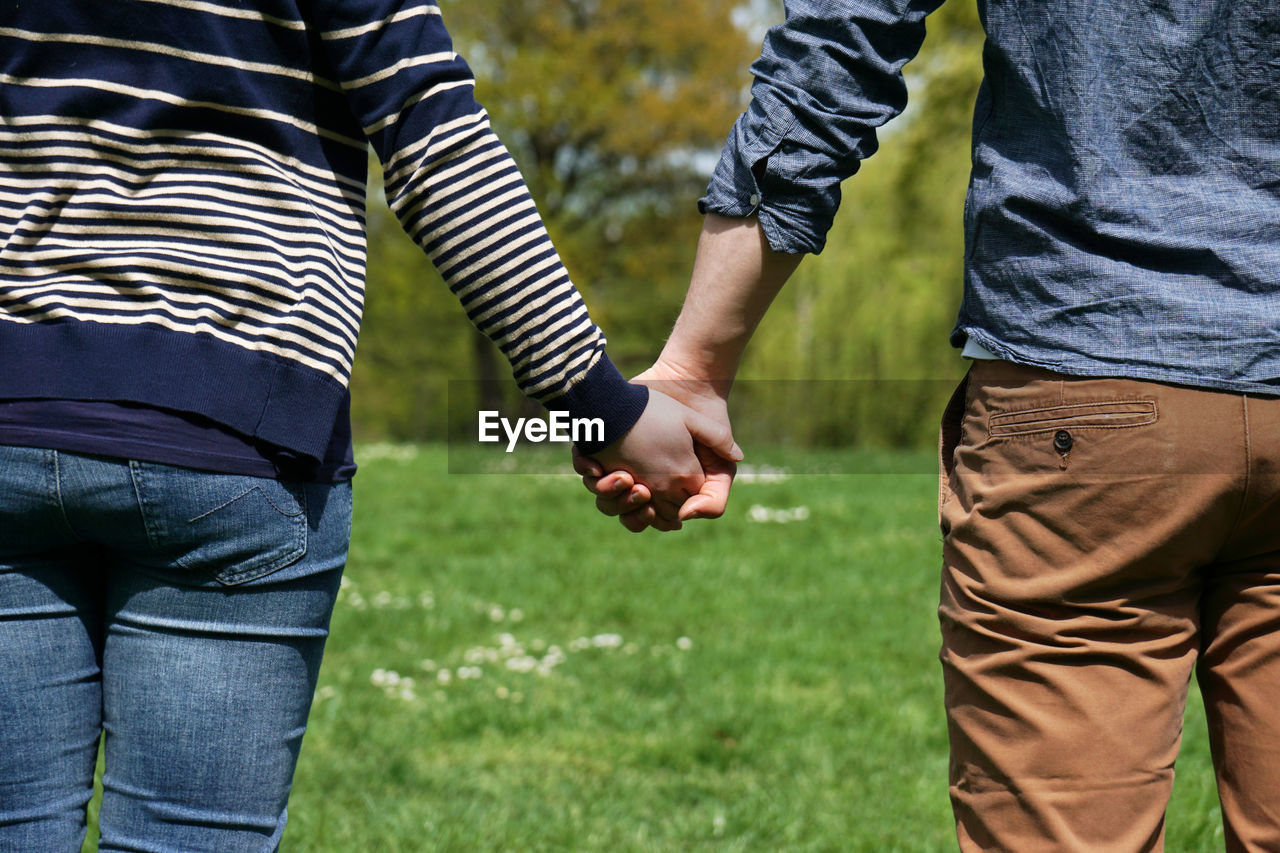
[827, 77]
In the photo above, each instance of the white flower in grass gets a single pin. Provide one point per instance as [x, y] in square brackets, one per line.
[382, 599]
[717, 825]
[523, 663]
[468, 673]
[508, 647]
[426, 601]
[357, 602]
[579, 644]
[502, 693]
[427, 665]
[444, 676]
[606, 641]
[684, 644]
[326, 692]
[475, 655]
[552, 659]
[496, 613]
[763, 514]
[516, 614]
[385, 678]
[407, 694]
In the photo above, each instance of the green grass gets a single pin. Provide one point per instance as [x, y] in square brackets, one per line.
[803, 713]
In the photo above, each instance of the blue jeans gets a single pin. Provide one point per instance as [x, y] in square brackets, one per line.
[181, 613]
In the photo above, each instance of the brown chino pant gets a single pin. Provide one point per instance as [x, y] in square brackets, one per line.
[1101, 536]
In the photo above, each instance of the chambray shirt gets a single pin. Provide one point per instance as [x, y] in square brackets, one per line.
[1123, 214]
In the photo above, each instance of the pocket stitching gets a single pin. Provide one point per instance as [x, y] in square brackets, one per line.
[1149, 415]
[228, 503]
[265, 496]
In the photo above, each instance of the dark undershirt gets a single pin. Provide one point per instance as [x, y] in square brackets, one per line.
[148, 434]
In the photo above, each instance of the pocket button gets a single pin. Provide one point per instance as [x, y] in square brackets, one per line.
[1062, 441]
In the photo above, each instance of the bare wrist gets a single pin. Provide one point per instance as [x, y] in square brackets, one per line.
[697, 370]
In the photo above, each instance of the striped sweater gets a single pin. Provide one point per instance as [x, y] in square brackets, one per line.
[182, 196]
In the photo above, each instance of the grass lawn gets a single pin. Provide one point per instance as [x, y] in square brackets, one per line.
[509, 671]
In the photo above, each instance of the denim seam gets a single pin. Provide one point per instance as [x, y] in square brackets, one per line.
[56, 482]
[135, 470]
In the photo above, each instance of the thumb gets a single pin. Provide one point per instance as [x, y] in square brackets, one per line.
[713, 434]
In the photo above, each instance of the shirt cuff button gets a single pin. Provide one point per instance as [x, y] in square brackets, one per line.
[754, 200]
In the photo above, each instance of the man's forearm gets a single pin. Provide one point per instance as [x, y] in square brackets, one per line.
[736, 275]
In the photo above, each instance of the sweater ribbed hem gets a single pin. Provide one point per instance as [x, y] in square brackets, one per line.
[604, 393]
[257, 394]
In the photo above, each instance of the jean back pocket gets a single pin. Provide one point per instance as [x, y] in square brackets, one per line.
[229, 527]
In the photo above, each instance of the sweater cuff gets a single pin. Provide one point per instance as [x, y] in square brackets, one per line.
[603, 393]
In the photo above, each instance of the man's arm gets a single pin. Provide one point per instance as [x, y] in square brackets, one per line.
[736, 276]
[827, 78]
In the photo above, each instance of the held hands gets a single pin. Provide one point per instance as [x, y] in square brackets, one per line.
[736, 274]
[677, 463]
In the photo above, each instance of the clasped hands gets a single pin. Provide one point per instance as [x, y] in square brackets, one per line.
[675, 464]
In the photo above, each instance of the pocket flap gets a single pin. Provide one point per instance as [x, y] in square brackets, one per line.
[1097, 414]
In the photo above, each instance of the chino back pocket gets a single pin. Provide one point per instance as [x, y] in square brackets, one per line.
[1068, 417]
[229, 527]
[1100, 437]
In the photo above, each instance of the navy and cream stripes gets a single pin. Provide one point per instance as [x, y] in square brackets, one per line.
[182, 191]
